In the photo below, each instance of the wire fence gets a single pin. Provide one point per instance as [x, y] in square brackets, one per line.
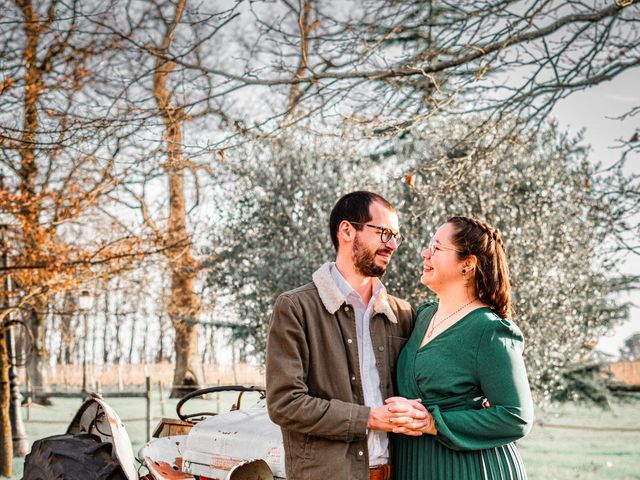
[157, 405]
[587, 428]
[147, 394]
[110, 377]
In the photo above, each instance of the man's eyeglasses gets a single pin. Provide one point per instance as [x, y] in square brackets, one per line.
[386, 234]
[433, 246]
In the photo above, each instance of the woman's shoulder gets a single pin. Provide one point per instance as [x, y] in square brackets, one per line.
[494, 326]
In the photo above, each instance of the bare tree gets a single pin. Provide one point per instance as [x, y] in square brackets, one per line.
[175, 104]
[387, 65]
[184, 303]
[57, 155]
[6, 438]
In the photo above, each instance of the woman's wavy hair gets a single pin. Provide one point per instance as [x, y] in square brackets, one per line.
[474, 237]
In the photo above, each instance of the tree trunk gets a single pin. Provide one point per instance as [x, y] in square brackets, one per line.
[37, 361]
[185, 376]
[205, 347]
[184, 304]
[105, 330]
[6, 438]
[61, 343]
[132, 339]
[160, 357]
[117, 342]
[145, 337]
[28, 181]
[94, 341]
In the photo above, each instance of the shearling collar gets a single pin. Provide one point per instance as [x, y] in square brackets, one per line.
[332, 298]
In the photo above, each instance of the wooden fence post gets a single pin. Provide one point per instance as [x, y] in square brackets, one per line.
[29, 398]
[218, 397]
[120, 382]
[147, 382]
[161, 390]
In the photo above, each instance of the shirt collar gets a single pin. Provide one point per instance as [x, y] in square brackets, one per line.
[348, 291]
[332, 297]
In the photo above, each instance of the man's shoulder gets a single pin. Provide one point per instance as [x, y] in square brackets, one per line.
[301, 290]
[298, 301]
[400, 303]
[298, 293]
[402, 309]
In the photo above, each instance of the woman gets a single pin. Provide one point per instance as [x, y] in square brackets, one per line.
[464, 361]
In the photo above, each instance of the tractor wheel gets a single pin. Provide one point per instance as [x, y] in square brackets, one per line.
[72, 457]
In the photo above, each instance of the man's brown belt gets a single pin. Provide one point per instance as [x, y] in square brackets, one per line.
[380, 472]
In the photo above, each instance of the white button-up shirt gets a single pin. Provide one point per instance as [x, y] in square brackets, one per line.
[377, 441]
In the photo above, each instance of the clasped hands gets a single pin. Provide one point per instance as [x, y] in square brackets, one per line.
[402, 415]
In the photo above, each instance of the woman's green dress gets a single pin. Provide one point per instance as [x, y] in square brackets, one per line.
[478, 357]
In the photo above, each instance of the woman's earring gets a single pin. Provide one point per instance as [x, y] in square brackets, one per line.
[464, 271]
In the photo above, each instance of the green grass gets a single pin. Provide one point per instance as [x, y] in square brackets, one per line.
[554, 453]
[549, 453]
[54, 419]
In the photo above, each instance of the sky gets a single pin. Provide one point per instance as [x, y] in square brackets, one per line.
[594, 109]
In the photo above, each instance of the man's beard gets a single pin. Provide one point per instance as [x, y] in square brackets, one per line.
[365, 260]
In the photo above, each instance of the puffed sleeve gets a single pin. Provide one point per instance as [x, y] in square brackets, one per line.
[503, 379]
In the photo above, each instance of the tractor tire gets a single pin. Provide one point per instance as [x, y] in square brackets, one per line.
[72, 457]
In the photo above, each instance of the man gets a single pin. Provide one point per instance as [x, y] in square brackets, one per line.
[332, 348]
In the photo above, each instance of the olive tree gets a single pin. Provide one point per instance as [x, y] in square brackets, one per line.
[557, 215]
[277, 222]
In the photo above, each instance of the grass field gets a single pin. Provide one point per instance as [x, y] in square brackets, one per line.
[562, 453]
[548, 452]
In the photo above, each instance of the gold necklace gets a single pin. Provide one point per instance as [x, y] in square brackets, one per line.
[430, 331]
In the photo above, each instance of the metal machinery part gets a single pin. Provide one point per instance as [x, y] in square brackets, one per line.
[242, 444]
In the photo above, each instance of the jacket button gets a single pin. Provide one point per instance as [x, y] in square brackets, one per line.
[349, 340]
[360, 453]
[346, 308]
[381, 348]
[353, 378]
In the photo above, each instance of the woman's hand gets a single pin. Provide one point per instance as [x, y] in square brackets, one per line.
[410, 417]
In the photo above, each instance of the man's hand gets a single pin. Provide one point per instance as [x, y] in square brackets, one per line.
[410, 417]
[379, 419]
[397, 411]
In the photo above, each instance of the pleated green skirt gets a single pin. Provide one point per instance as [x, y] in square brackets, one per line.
[424, 458]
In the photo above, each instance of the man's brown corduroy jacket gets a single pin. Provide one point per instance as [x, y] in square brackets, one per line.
[314, 388]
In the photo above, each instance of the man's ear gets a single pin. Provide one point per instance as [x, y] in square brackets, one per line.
[346, 232]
